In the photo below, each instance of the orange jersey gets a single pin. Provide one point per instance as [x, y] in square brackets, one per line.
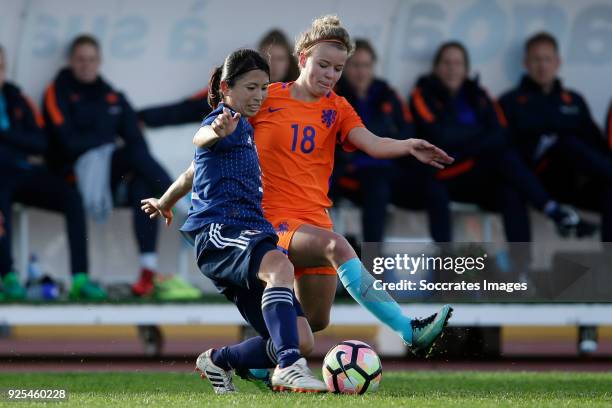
[296, 142]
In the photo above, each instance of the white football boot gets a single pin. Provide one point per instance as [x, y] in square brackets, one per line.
[296, 378]
[220, 379]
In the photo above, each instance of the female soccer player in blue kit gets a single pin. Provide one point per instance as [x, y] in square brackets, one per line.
[235, 244]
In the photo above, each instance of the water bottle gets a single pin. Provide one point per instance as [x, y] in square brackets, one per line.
[40, 287]
[34, 289]
[50, 290]
[34, 270]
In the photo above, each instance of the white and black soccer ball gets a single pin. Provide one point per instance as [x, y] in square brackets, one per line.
[352, 367]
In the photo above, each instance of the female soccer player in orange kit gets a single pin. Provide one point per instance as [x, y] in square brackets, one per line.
[296, 131]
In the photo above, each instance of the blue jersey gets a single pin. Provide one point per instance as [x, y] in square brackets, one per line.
[227, 185]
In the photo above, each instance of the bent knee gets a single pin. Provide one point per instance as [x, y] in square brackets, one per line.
[280, 273]
[337, 247]
[319, 323]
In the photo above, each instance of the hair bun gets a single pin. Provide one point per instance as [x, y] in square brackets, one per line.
[328, 27]
[328, 20]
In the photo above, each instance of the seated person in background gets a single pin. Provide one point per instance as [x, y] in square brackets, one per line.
[553, 129]
[454, 112]
[278, 49]
[373, 183]
[283, 68]
[21, 135]
[94, 135]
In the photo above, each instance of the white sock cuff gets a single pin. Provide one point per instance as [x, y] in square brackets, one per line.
[148, 260]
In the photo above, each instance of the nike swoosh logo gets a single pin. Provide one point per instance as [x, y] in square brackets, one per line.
[339, 355]
[274, 110]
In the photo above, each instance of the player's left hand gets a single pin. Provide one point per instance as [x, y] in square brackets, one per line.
[427, 153]
[225, 124]
[152, 207]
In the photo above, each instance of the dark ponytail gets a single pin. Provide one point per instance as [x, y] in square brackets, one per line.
[236, 64]
[214, 88]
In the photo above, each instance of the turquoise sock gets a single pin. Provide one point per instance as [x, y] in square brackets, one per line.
[359, 284]
[259, 373]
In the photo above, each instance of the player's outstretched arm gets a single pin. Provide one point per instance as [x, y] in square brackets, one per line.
[387, 148]
[223, 126]
[163, 206]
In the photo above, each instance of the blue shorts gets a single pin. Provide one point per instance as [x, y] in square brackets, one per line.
[231, 257]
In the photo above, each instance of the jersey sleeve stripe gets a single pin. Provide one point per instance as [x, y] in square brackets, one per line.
[202, 94]
[52, 107]
[455, 170]
[37, 116]
[421, 107]
[501, 117]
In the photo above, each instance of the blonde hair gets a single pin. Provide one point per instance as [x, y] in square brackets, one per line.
[327, 29]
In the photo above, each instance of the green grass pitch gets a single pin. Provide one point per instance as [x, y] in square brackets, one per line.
[398, 389]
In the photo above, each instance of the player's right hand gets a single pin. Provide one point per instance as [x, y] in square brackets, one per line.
[152, 207]
[225, 124]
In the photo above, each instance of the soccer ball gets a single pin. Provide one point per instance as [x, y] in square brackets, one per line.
[352, 367]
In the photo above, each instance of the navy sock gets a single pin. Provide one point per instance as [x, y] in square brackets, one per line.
[281, 321]
[251, 353]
